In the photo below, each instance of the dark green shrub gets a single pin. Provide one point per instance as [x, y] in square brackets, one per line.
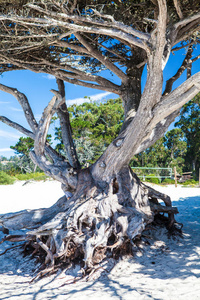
[190, 182]
[5, 178]
[34, 176]
[168, 181]
[152, 178]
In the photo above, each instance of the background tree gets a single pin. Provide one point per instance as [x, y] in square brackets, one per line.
[75, 41]
[94, 125]
[189, 123]
[23, 146]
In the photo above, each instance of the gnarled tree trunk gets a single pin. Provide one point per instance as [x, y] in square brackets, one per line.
[109, 208]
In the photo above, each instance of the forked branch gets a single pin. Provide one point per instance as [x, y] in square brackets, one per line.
[183, 67]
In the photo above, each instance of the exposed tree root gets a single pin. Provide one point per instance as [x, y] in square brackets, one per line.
[95, 223]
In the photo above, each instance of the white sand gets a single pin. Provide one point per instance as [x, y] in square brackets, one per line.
[167, 269]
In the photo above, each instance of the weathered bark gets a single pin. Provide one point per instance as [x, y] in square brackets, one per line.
[66, 129]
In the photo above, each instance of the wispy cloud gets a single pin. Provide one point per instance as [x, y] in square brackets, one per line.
[15, 109]
[5, 150]
[49, 76]
[4, 102]
[9, 135]
[38, 117]
[96, 97]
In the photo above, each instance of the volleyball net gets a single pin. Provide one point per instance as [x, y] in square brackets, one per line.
[161, 173]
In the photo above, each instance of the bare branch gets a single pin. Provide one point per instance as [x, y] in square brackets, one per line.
[23, 101]
[87, 84]
[60, 171]
[182, 47]
[113, 32]
[178, 9]
[41, 134]
[187, 31]
[71, 46]
[104, 60]
[102, 83]
[101, 23]
[17, 127]
[66, 129]
[48, 149]
[186, 21]
[109, 50]
[180, 71]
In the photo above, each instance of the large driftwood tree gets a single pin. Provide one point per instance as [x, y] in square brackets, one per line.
[74, 40]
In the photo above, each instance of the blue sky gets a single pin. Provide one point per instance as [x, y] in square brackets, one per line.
[37, 88]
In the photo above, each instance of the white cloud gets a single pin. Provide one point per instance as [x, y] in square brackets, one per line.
[38, 117]
[4, 102]
[15, 109]
[9, 135]
[96, 97]
[49, 76]
[6, 150]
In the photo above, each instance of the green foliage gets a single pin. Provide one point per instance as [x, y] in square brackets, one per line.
[190, 182]
[168, 181]
[23, 146]
[167, 152]
[176, 149]
[153, 179]
[95, 125]
[35, 176]
[189, 123]
[5, 178]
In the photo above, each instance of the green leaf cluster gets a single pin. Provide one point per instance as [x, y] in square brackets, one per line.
[167, 152]
[189, 124]
[5, 178]
[95, 125]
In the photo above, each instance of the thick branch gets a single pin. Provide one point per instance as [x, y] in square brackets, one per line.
[158, 132]
[17, 127]
[177, 98]
[66, 129]
[48, 149]
[187, 21]
[178, 9]
[60, 171]
[88, 84]
[23, 101]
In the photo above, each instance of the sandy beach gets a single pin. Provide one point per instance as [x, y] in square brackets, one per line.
[166, 269]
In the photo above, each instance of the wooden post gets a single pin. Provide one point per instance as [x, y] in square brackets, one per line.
[175, 177]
